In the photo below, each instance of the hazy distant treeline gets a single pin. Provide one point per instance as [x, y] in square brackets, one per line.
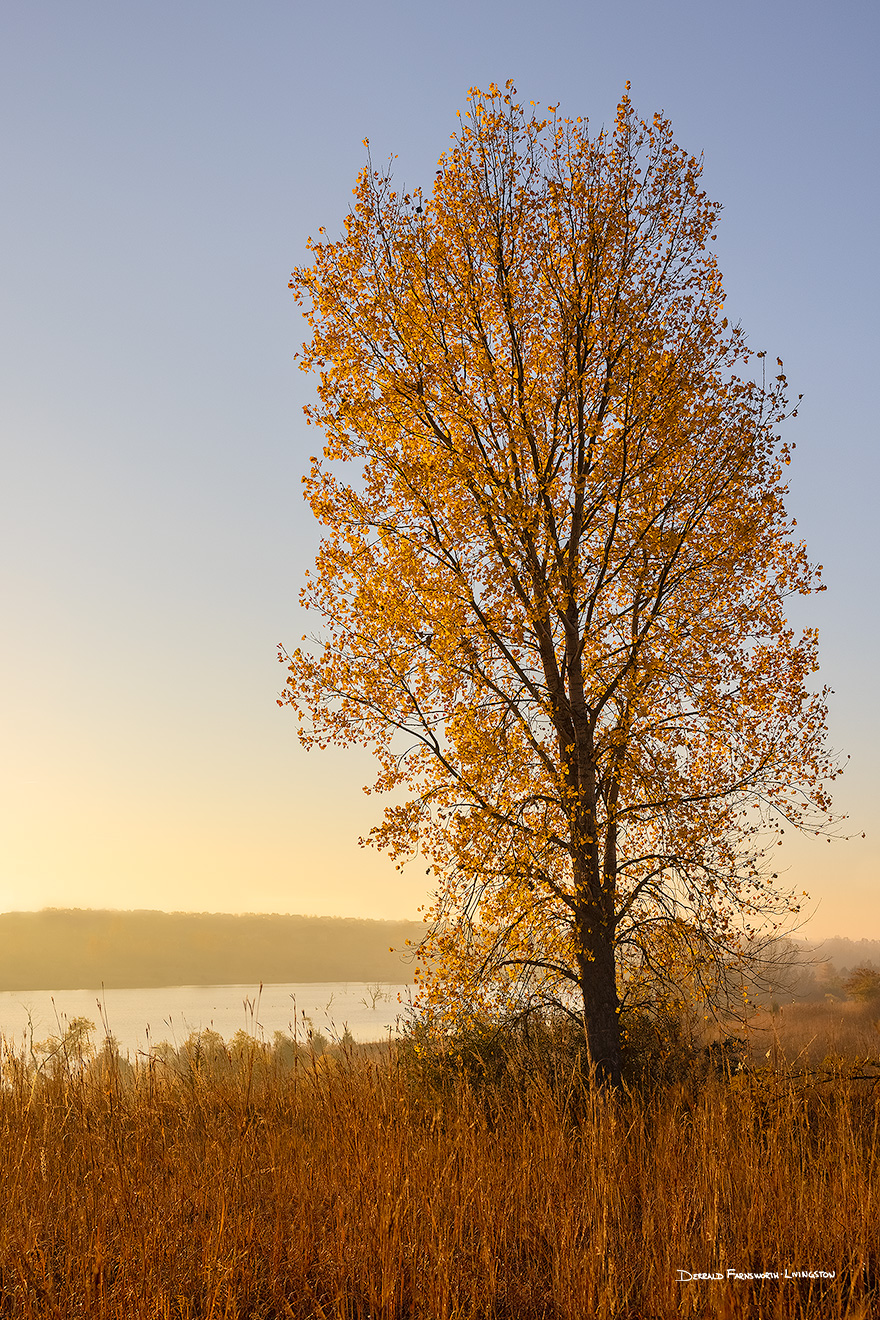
[70, 949]
[844, 955]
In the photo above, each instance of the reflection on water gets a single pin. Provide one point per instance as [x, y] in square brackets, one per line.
[140, 1018]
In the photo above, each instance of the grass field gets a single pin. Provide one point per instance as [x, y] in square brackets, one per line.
[244, 1181]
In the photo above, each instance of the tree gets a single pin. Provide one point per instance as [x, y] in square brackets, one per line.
[553, 583]
[863, 983]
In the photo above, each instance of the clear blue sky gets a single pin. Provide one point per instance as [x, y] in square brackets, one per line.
[162, 167]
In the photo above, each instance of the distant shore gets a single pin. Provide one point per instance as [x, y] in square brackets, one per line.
[72, 948]
[68, 948]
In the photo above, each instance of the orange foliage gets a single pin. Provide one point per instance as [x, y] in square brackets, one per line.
[554, 576]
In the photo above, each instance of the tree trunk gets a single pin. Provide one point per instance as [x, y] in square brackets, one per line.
[599, 988]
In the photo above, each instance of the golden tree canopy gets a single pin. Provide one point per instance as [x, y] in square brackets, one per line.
[554, 574]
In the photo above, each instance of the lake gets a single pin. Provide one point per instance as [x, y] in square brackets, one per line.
[140, 1018]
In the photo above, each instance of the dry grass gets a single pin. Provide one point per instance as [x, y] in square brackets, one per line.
[349, 1187]
[815, 1034]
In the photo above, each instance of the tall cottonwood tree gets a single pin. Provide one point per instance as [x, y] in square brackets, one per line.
[554, 573]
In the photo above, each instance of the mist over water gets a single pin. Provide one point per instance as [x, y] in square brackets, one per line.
[139, 1018]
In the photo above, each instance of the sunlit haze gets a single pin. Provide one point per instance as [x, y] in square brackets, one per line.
[163, 167]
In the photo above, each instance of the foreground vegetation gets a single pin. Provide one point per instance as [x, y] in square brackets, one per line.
[492, 1181]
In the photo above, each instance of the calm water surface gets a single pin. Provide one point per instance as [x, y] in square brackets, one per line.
[139, 1018]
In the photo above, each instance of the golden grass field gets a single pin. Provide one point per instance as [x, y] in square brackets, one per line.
[253, 1182]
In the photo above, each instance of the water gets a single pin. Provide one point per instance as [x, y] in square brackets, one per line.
[140, 1018]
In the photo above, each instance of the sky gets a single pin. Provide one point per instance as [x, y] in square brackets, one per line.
[163, 166]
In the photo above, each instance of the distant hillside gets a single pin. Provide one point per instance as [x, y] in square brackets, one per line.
[70, 949]
[847, 954]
